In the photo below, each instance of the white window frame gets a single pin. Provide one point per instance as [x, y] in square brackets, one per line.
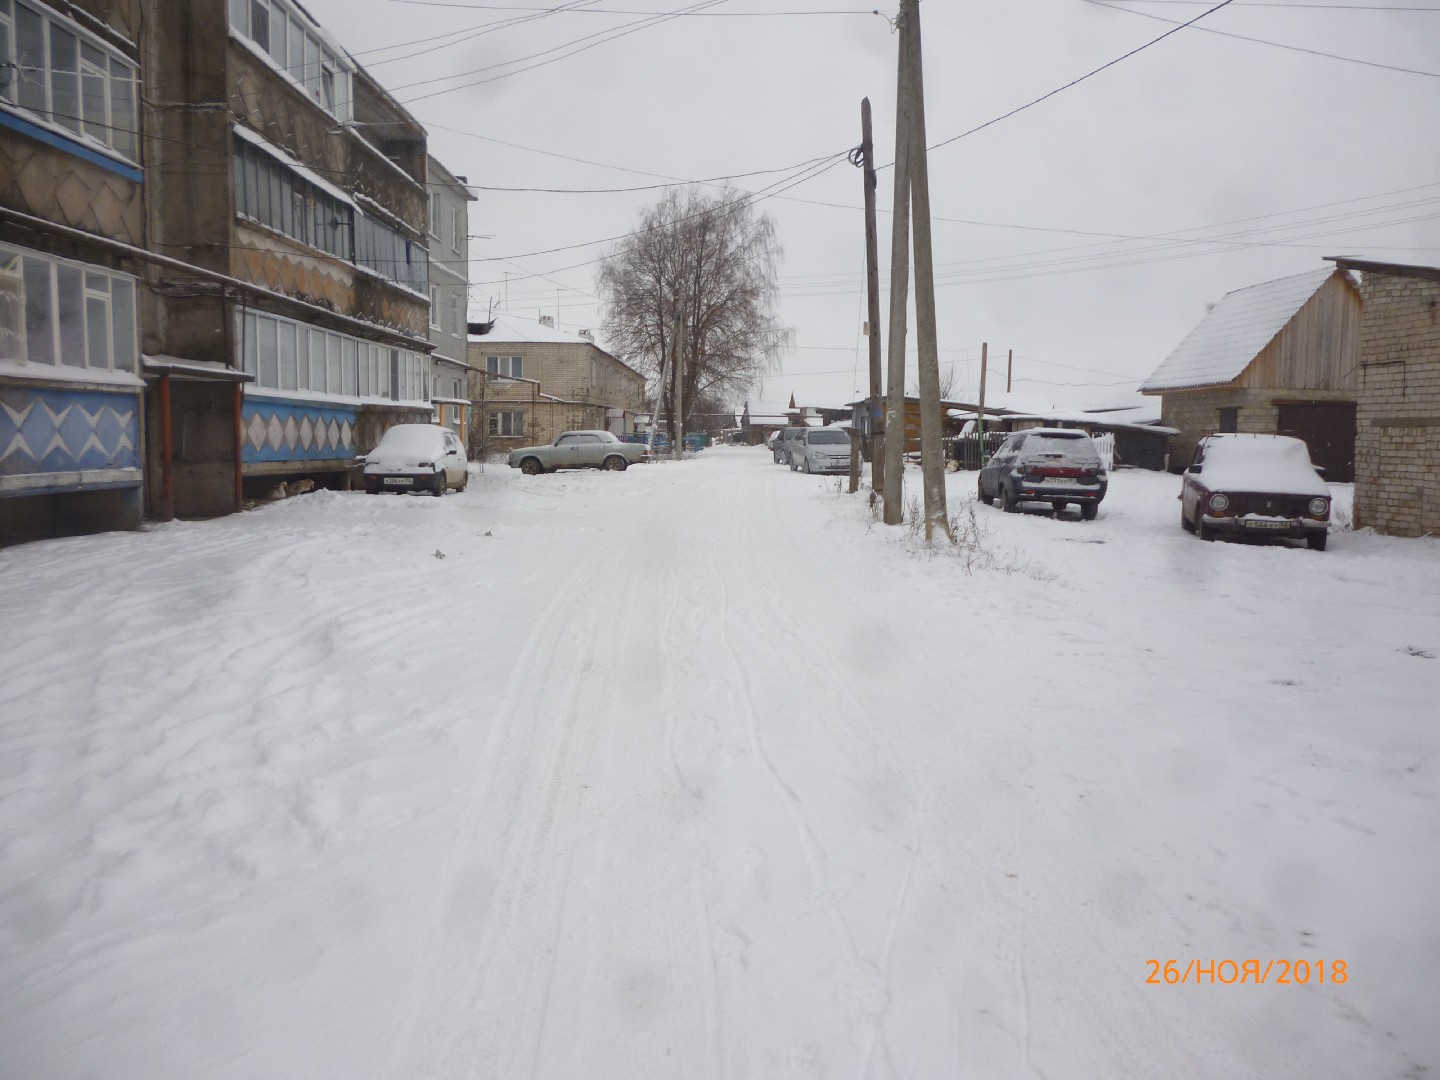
[118, 130]
[324, 362]
[496, 365]
[434, 307]
[325, 77]
[500, 419]
[104, 294]
[455, 229]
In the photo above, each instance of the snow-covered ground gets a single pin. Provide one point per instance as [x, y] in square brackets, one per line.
[693, 772]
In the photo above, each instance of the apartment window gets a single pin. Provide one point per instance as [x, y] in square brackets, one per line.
[457, 321]
[56, 311]
[278, 197]
[514, 366]
[278, 29]
[507, 424]
[284, 354]
[51, 67]
[435, 215]
[391, 254]
[434, 307]
[456, 230]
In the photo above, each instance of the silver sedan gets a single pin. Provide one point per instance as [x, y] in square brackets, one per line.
[821, 450]
[578, 450]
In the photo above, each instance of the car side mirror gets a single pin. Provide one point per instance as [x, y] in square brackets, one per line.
[452, 453]
[1194, 469]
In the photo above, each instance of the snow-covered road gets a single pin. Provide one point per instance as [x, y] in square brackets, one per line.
[691, 772]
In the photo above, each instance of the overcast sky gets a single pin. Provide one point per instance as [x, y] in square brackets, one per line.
[1288, 155]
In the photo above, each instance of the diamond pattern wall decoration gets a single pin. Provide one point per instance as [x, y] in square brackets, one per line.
[283, 430]
[50, 429]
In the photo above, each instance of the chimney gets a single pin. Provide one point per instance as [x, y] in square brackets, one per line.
[548, 320]
[588, 335]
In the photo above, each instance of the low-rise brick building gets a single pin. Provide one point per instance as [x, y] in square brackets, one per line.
[530, 381]
[1275, 358]
[1397, 451]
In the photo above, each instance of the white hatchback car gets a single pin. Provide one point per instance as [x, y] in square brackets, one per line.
[416, 457]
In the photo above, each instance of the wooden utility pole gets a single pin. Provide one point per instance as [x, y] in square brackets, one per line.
[980, 417]
[932, 429]
[1009, 368]
[894, 469]
[677, 445]
[872, 297]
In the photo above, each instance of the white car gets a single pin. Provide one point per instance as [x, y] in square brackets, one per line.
[416, 457]
[821, 450]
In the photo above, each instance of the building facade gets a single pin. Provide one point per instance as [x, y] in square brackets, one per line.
[449, 228]
[71, 223]
[1275, 358]
[286, 175]
[531, 381]
[1397, 454]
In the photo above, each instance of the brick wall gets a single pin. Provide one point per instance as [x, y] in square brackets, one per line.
[1397, 451]
[1196, 413]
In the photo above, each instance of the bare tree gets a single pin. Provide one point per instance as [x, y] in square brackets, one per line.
[715, 256]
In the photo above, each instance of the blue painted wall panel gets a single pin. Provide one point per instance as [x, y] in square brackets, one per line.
[278, 429]
[50, 429]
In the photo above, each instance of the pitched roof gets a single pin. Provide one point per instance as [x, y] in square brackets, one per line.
[1234, 331]
[513, 329]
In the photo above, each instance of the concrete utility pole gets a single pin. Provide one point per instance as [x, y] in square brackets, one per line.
[872, 298]
[1009, 368]
[932, 425]
[894, 469]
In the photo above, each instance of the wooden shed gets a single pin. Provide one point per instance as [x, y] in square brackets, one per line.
[1277, 358]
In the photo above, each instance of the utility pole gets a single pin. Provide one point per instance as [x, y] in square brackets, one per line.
[1009, 368]
[932, 430]
[872, 297]
[895, 434]
[677, 446]
[980, 419]
[659, 402]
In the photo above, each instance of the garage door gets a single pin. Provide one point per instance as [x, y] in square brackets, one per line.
[1329, 430]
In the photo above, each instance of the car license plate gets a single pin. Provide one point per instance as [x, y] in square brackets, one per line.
[1267, 525]
[398, 481]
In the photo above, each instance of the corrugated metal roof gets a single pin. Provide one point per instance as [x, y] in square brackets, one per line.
[1234, 332]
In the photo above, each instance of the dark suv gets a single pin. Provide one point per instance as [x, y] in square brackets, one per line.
[1058, 466]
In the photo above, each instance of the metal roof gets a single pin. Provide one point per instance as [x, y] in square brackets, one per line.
[1234, 332]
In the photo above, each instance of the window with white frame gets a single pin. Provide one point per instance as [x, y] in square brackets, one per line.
[284, 354]
[434, 307]
[514, 366]
[435, 212]
[64, 75]
[294, 43]
[457, 229]
[457, 317]
[507, 423]
[61, 312]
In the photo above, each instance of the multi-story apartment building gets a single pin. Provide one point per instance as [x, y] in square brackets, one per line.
[71, 220]
[531, 381]
[296, 185]
[450, 200]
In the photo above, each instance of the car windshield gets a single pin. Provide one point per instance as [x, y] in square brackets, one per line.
[406, 439]
[828, 437]
[1261, 463]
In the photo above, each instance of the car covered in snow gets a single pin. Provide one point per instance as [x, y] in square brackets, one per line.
[578, 450]
[416, 457]
[821, 450]
[1059, 466]
[1255, 485]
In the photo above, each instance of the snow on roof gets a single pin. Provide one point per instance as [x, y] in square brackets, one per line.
[512, 329]
[766, 408]
[1234, 331]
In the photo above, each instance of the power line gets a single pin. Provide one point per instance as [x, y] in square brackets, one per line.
[1266, 41]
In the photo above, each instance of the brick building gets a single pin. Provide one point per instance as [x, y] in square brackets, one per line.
[1275, 358]
[531, 381]
[1397, 453]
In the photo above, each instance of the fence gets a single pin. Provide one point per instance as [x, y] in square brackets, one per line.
[1105, 443]
[973, 450]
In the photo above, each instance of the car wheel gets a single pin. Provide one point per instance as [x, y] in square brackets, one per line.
[792, 465]
[1008, 502]
[980, 491]
[616, 463]
[1315, 541]
[372, 489]
[1186, 523]
[1088, 511]
[439, 489]
[465, 480]
[531, 467]
[1205, 532]
[805, 465]
[1058, 508]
